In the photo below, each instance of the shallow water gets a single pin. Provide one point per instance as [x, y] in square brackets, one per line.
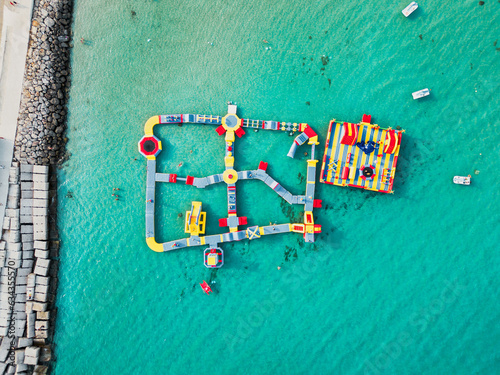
[395, 284]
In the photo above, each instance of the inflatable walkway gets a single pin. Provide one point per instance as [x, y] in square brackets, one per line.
[229, 126]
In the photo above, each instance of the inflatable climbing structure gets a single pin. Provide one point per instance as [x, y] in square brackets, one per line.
[361, 155]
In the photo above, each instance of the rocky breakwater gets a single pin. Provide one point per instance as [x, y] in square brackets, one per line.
[41, 126]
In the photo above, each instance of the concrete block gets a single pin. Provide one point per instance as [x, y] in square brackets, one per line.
[45, 263]
[38, 306]
[26, 229]
[26, 185]
[37, 178]
[30, 324]
[41, 325]
[41, 297]
[23, 272]
[14, 190]
[21, 369]
[41, 233]
[41, 194]
[42, 289]
[41, 271]
[26, 194]
[12, 202]
[19, 327]
[13, 179]
[26, 176]
[39, 221]
[20, 280]
[41, 334]
[28, 246]
[43, 315]
[4, 349]
[25, 211]
[41, 253]
[26, 202]
[24, 342]
[6, 223]
[29, 308]
[27, 263]
[41, 280]
[14, 255]
[28, 254]
[42, 186]
[15, 223]
[2, 245]
[19, 356]
[14, 171]
[26, 168]
[40, 211]
[31, 280]
[40, 203]
[32, 351]
[21, 298]
[10, 212]
[14, 236]
[13, 246]
[27, 237]
[18, 306]
[21, 289]
[41, 169]
[44, 245]
[31, 355]
[26, 219]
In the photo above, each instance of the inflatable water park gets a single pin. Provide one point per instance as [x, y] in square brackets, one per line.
[357, 155]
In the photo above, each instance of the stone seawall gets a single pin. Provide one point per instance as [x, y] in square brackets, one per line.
[28, 266]
[40, 135]
[29, 245]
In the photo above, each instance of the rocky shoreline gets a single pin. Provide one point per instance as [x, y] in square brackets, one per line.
[29, 243]
[41, 124]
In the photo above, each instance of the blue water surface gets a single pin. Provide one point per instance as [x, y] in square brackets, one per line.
[395, 284]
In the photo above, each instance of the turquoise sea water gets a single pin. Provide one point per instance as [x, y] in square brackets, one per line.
[395, 284]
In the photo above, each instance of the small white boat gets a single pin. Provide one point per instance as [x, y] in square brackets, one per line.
[410, 8]
[461, 180]
[420, 94]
